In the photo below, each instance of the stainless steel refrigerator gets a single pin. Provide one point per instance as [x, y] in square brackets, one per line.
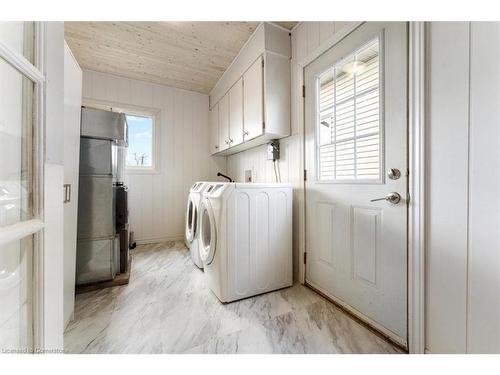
[104, 137]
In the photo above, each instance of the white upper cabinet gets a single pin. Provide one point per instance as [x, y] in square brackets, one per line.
[253, 98]
[253, 95]
[224, 123]
[236, 113]
[213, 122]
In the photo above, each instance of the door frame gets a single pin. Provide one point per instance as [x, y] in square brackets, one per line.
[416, 182]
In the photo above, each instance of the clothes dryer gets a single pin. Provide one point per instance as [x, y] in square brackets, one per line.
[246, 238]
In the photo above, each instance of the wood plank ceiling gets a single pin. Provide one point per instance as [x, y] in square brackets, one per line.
[187, 55]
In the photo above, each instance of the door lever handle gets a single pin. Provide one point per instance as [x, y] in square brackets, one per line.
[393, 198]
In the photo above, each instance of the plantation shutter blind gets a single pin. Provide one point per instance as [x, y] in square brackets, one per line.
[349, 117]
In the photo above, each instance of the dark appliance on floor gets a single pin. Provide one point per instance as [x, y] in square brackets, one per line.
[122, 224]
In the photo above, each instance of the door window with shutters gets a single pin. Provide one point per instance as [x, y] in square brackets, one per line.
[349, 125]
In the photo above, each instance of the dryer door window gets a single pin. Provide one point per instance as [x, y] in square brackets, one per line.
[189, 219]
[208, 234]
[194, 225]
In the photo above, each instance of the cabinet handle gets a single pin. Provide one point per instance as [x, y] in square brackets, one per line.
[67, 193]
[227, 142]
[230, 140]
[245, 132]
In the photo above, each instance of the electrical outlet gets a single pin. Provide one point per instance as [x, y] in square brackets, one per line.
[248, 175]
[273, 150]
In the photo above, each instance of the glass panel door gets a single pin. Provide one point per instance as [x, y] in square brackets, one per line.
[19, 37]
[19, 215]
[16, 124]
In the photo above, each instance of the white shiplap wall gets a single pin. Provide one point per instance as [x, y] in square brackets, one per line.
[157, 201]
[463, 188]
[309, 40]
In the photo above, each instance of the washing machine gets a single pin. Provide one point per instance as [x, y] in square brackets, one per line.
[245, 238]
[192, 221]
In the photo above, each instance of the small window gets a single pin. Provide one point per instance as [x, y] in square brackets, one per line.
[349, 121]
[140, 152]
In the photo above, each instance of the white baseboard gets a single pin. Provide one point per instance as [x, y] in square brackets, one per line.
[145, 241]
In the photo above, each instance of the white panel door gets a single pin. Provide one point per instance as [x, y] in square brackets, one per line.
[224, 123]
[356, 131]
[236, 113]
[253, 100]
[213, 123]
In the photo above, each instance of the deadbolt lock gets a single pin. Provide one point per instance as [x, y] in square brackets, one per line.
[394, 173]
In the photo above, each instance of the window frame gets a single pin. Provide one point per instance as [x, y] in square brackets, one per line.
[381, 179]
[131, 110]
[154, 146]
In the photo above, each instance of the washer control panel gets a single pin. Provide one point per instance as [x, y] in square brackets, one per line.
[214, 190]
[198, 186]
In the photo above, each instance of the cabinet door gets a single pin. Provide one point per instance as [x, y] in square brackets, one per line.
[213, 116]
[224, 123]
[71, 131]
[236, 113]
[253, 101]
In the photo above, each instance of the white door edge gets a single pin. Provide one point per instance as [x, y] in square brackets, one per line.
[416, 188]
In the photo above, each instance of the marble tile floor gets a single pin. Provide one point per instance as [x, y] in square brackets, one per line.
[166, 308]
